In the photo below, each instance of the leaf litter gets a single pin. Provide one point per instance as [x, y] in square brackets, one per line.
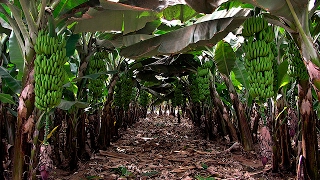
[159, 148]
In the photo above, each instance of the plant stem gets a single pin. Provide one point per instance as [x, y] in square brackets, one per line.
[41, 13]
[30, 21]
[46, 128]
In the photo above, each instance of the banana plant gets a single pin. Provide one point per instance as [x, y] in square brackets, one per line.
[225, 59]
[26, 18]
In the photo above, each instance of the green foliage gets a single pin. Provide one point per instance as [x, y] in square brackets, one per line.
[180, 12]
[123, 171]
[16, 55]
[9, 81]
[224, 57]
[6, 98]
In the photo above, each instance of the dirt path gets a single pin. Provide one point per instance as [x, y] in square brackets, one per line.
[159, 148]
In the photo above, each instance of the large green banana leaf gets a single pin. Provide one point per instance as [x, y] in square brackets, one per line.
[224, 57]
[203, 33]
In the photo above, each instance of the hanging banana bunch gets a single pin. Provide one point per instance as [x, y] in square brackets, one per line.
[258, 56]
[49, 74]
[123, 90]
[96, 65]
[203, 80]
[296, 67]
[194, 90]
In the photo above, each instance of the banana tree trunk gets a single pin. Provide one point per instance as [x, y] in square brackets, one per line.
[309, 135]
[223, 113]
[82, 136]
[284, 136]
[244, 127]
[179, 118]
[25, 108]
[71, 145]
[105, 131]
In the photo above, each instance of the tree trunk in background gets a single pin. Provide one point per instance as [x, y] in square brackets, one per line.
[179, 118]
[82, 136]
[284, 136]
[105, 131]
[309, 135]
[244, 127]
[160, 110]
[59, 118]
[224, 114]
[71, 146]
[10, 123]
[26, 105]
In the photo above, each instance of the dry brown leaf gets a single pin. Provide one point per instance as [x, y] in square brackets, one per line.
[28, 127]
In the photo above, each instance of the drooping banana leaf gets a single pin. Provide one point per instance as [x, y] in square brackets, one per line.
[206, 33]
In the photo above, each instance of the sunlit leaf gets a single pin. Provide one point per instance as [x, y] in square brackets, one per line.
[51, 132]
[16, 55]
[283, 77]
[66, 5]
[180, 12]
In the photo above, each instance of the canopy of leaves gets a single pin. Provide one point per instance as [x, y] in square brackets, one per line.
[113, 17]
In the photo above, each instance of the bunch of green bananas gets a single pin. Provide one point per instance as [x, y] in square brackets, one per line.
[194, 90]
[48, 70]
[259, 58]
[296, 67]
[97, 65]
[123, 91]
[253, 25]
[203, 83]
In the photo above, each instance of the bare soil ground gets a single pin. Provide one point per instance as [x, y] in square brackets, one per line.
[159, 148]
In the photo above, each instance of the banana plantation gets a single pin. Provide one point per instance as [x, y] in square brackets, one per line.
[77, 76]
